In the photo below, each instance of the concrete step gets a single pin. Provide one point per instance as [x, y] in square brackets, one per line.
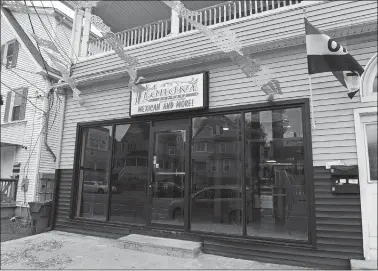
[161, 246]
[363, 264]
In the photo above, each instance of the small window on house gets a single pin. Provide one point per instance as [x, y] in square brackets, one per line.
[214, 166]
[15, 105]
[226, 165]
[9, 54]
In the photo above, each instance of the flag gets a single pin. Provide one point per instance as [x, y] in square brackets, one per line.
[324, 54]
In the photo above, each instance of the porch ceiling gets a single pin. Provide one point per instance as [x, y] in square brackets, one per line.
[123, 15]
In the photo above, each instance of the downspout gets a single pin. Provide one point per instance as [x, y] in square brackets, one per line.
[47, 118]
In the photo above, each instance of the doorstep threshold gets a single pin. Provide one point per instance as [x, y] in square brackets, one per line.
[161, 246]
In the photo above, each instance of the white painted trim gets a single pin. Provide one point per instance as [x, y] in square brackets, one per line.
[366, 80]
[361, 158]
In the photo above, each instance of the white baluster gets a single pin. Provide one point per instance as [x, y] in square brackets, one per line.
[250, 7]
[166, 28]
[256, 8]
[150, 32]
[154, 33]
[245, 9]
[143, 38]
[205, 17]
[267, 4]
[234, 10]
[132, 38]
[224, 13]
[201, 17]
[240, 8]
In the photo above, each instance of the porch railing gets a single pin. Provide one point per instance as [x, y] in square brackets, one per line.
[232, 10]
[8, 190]
[130, 37]
[216, 14]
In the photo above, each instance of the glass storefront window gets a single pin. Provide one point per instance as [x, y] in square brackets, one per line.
[129, 174]
[94, 171]
[216, 196]
[275, 183]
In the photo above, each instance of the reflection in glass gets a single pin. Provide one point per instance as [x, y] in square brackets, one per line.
[93, 186]
[130, 173]
[216, 196]
[169, 177]
[371, 136]
[375, 84]
[274, 153]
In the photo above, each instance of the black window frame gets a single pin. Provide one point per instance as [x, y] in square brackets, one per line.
[302, 103]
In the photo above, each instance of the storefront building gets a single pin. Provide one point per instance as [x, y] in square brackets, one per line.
[203, 155]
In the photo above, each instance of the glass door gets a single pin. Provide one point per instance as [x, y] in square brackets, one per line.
[167, 187]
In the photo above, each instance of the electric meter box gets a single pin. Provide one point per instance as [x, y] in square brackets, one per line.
[345, 180]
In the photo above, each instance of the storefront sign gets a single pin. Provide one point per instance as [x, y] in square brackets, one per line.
[176, 94]
[98, 140]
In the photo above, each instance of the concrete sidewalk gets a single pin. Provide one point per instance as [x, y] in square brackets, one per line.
[61, 250]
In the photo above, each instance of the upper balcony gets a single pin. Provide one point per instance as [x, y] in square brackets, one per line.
[137, 22]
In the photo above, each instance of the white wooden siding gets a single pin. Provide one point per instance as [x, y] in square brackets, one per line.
[333, 138]
[29, 129]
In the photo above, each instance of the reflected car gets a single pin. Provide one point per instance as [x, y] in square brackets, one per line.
[225, 199]
[96, 187]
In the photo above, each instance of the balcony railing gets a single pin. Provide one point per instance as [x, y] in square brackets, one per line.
[8, 190]
[213, 15]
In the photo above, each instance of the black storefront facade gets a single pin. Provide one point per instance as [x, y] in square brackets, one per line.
[241, 176]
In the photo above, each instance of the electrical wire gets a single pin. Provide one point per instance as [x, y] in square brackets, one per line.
[50, 37]
[39, 49]
[26, 80]
[55, 32]
[68, 40]
[26, 98]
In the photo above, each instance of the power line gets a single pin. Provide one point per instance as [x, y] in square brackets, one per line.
[55, 32]
[48, 33]
[68, 40]
[39, 49]
[26, 98]
[26, 80]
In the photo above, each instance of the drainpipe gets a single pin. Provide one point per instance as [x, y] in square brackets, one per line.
[47, 116]
[86, 32]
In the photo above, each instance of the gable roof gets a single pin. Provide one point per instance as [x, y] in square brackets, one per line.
[24, 39]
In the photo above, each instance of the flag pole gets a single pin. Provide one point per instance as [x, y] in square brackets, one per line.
[312, 115]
